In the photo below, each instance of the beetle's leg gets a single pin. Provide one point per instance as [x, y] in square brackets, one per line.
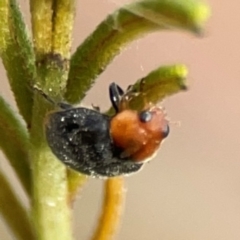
[96, 107]
[141, 84]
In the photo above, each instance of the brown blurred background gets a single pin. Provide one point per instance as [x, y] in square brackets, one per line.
[191, 191]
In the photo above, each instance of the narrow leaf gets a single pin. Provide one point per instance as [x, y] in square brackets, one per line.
[123, 26]
[14, 142]
[64, 12]
[158, 84]
[13, 212]
[41, 19]
[17, 55]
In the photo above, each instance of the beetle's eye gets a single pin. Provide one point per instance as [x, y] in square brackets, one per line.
[165, 131]
[145, 116]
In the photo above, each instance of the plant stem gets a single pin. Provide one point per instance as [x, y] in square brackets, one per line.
[76, 181]
[111, 210]
[51, 211]
[51, 208]
[14, 143]
[122, 27]
[62, 27]
[41, 14]
[17, 55]
[13, 212]
[158, 84]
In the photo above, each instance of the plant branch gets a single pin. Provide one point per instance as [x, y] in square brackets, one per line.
[17, 55]
[51, 211]
[14, 143]
[111, 210]
[158, 84]
[51, 208]
[76, 181]
[62, 27]
[120, 28]
[13, 212]
[41, 18]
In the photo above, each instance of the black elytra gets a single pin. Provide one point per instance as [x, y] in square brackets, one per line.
[81, 139]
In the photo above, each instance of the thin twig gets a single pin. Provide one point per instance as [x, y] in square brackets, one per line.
[13, 212]
[111, 210]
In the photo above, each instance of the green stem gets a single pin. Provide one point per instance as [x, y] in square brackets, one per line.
[76, 181]
[17, 54]
[51, 211]
[158, 84]
[62, 27]
[112, 208]
[13, 212]
[41, 18]
[123, 26]
[51, 208]
[14, 143]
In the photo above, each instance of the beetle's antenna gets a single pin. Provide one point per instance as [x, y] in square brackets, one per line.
[35, 88]
[115, 93]
[62, 105]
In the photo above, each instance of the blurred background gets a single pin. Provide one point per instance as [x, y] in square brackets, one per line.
[191, 190]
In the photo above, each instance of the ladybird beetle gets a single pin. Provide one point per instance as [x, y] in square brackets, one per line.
[96, 144]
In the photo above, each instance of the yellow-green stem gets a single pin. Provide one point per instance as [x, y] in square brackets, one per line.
[13, 212]
[51, 208]
[62, 27]
[41, 14]
[111, 210]
[76, 181]
[51, 211]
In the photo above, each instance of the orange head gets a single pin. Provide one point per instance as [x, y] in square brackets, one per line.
[138, 134]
